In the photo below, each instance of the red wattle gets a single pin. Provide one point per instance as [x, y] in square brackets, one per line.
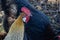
[27, 19]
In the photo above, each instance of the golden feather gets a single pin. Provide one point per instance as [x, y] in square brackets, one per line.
[16, 31]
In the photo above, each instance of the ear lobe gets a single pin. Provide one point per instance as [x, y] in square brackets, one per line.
[24, 19]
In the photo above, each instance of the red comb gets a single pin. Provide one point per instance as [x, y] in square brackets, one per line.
[25, 10]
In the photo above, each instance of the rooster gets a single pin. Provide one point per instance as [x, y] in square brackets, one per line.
[16, 31]
[36, 24]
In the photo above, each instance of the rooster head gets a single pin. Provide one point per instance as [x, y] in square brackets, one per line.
[27, 14]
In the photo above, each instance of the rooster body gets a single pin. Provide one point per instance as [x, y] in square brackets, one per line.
[38, 27]
[16, 31]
